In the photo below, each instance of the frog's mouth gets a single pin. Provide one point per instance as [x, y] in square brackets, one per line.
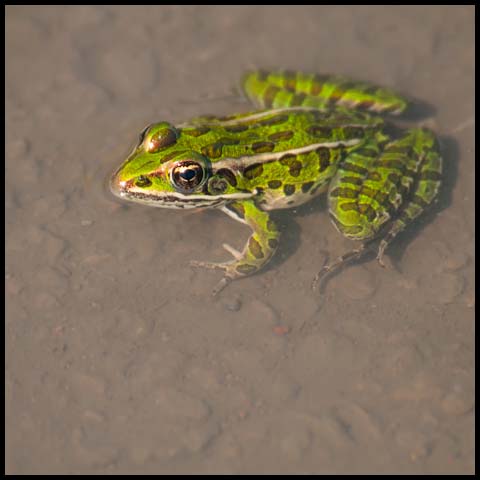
[164, 200]
[176, 200]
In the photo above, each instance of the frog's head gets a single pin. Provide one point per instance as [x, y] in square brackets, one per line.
[163, 172]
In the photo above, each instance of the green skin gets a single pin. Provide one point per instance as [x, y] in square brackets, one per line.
[313, 133]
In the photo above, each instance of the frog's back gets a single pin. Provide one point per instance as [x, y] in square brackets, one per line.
[249, 136]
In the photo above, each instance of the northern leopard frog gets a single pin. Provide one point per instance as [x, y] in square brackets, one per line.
[310, 134]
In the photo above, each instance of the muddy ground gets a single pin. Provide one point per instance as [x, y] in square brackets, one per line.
[117, 358]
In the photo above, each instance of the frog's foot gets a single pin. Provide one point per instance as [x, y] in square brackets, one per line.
[239, 267]
[258, 250]
[339, 263]
[226, 266]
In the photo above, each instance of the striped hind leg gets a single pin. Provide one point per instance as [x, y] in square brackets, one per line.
[355, 204]
[371, 189]
[280, 89]
[424, 191]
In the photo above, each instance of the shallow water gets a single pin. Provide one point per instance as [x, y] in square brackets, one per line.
[117, 358]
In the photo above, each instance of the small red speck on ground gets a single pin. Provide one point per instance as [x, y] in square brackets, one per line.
[281, 330]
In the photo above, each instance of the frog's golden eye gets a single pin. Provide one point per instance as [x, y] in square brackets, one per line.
[143, 181]
[160, 139]
[187, 175]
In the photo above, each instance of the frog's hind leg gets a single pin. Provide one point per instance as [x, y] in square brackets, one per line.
[426, 186]
[353, 207]
[280, 89]
[372, 187]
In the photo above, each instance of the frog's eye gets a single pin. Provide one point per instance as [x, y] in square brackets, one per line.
[161, 138]
[187, 175]
[143, 181]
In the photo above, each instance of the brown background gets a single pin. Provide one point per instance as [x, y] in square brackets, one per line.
[119, 361]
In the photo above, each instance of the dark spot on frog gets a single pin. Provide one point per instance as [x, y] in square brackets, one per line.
[323, 158]
[274, 183]
[253, 171]
[319, 131]
[263, 147]
[307, 186]
[281, 136]
[195, 132]
[236, 128]
[297, 99]
[275, 120]
[295, 168]
[255, 248]
[353, 132]
[228, 175]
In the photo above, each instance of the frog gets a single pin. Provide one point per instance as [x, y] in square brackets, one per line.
[307, 134]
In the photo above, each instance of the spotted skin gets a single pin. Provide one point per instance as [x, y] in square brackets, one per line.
[425, 186]
[372, 187]
[313, 133]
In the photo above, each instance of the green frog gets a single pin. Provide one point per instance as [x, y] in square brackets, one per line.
[310, 134]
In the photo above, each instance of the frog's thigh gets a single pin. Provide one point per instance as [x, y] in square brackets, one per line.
[426, 187]
[355, 205]
[370, 189]
[262, 243]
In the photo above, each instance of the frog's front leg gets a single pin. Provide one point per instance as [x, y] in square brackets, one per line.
[258, 250]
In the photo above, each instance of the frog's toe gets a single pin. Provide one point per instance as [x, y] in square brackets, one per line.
[381, 252]
[318, 280]
[209, 265]
[380, 261]
[221, 285]
[230, 273]
[233, 251]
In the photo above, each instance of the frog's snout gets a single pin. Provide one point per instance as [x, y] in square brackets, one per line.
[117, 186]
